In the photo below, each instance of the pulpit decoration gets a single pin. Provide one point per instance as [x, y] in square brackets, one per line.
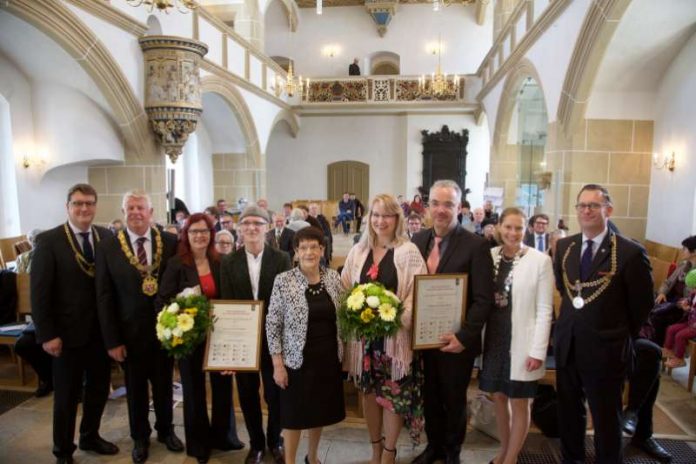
[172, 88]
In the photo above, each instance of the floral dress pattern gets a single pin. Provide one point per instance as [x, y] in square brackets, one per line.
[404, 396]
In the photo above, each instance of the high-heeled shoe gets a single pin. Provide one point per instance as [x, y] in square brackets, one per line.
[306, 460]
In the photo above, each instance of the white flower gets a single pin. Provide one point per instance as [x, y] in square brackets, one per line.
[160, 332]
[393, 296]
[173, 308]
[190, 291]
[167, 334]
[177, 332]
[355, 301]
[372, 301]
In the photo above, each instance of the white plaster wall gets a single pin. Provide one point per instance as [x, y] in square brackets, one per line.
[211, 36]
[672, 206]
[9, 206]
[621, 105]
[390, 144]
[122, 45]
[353, 31]
[71, 128]
[263, 113]
[198, 171]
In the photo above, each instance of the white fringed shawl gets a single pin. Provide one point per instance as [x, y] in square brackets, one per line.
[409, 263]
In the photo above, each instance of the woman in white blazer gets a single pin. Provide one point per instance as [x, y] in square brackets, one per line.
[517, 332]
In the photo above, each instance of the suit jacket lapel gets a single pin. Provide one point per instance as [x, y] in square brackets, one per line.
[572, 265]
[243, 271]
[602, 254]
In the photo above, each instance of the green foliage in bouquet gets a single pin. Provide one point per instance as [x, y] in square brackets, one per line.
[369, 311]
[183, 324]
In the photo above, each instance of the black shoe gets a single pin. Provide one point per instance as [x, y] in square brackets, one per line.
[278, 455]
[428, 456]
[653, 449]
[452, 458]
[65, 460]
[171, 441]
[140, 451]
[98, 445]
[43, 389]
[202, 459]
[228, 445]
[629, 422]
[254, 457]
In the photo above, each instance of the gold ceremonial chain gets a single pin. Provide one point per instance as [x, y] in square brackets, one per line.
[603, 282]
[149, 273]
[86, 266]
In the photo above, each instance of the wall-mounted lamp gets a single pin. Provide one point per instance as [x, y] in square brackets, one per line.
[666, 161]
[33, 161]
[330, 50]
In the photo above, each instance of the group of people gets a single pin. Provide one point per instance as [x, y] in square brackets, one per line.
[95, 296]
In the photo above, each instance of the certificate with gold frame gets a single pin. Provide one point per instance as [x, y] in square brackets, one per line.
[234, 341]
[439, 307]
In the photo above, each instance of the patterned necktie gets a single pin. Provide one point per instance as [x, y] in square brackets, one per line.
[586, 261]
[540, 243]
[142, 256]
[434, 256]
[87, 250]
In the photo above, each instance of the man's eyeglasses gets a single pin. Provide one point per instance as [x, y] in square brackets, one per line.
[590, 206]
[80, 204]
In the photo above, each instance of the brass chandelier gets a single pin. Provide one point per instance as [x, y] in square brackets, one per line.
[292, 84]
[184, 6]
[438, 85]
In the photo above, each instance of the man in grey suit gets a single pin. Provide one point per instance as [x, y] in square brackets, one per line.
[449, 248]
[248, 274]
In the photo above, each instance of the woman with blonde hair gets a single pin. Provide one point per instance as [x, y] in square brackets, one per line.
[386, 370]
[517, 332]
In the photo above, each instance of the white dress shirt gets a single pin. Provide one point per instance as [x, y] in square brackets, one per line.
[596, 242]
[254, 265]
[80, 240]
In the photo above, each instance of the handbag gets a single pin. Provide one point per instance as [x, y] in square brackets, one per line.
[482, 415]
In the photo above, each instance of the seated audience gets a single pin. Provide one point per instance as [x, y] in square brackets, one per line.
[24, 260]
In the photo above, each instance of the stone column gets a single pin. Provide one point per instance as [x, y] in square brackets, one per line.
[172, 88]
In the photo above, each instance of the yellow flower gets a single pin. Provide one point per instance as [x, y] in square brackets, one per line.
[367, 315]
[355, 301]
[387, 312]
[184, 322]
[191, 311]
[177, 341]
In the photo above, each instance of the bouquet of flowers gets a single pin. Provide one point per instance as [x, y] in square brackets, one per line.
[369, 311]
[183, 324]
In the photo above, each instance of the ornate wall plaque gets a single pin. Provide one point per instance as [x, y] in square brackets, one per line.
[172, 88]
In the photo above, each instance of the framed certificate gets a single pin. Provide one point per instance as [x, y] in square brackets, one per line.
[234, 342]
[439, 306]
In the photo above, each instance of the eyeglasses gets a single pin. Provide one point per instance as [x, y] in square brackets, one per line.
[223, 243]
[254, 224]
[385, 216]
[544, 223]
[590, 206]
[306, 248]
[199, 232]
[80, 204]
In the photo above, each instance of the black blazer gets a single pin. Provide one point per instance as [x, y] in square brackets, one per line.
[235, 283]
[601, 331]
[466, 253]
[127, 316]
[178, 276]
[285, 243]
[63, 297]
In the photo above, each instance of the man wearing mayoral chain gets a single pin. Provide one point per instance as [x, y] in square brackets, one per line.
[606, 284]
[64, 310]
[129, 266]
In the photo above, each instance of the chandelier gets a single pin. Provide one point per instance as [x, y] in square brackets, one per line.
[184, 6]
[438, 84]
[292, 84]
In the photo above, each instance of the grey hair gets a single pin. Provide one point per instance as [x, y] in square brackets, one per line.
[136, 194]
[296, 215]
[32, 234]
[222, 232]
[559, 233]
[446, 183]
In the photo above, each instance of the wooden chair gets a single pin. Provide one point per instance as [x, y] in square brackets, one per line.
[7, 249]
[660, 270]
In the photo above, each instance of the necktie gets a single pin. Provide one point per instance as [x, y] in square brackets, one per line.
[278, 236]
[586, 261]
[540, 243]
[87, 250]
[142, 256]
[434, 256]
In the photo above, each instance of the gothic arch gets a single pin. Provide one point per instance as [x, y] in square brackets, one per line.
[291, 10]
[234, 99]
[65, 28]
[290, 118]
[599, 26]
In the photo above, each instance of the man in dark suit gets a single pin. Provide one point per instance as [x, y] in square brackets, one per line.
[606, 284]
[63, 301]
[129, 267]
[449, 248]
[354, 68]
[539, 237]
[280, 237]
[248, 274]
